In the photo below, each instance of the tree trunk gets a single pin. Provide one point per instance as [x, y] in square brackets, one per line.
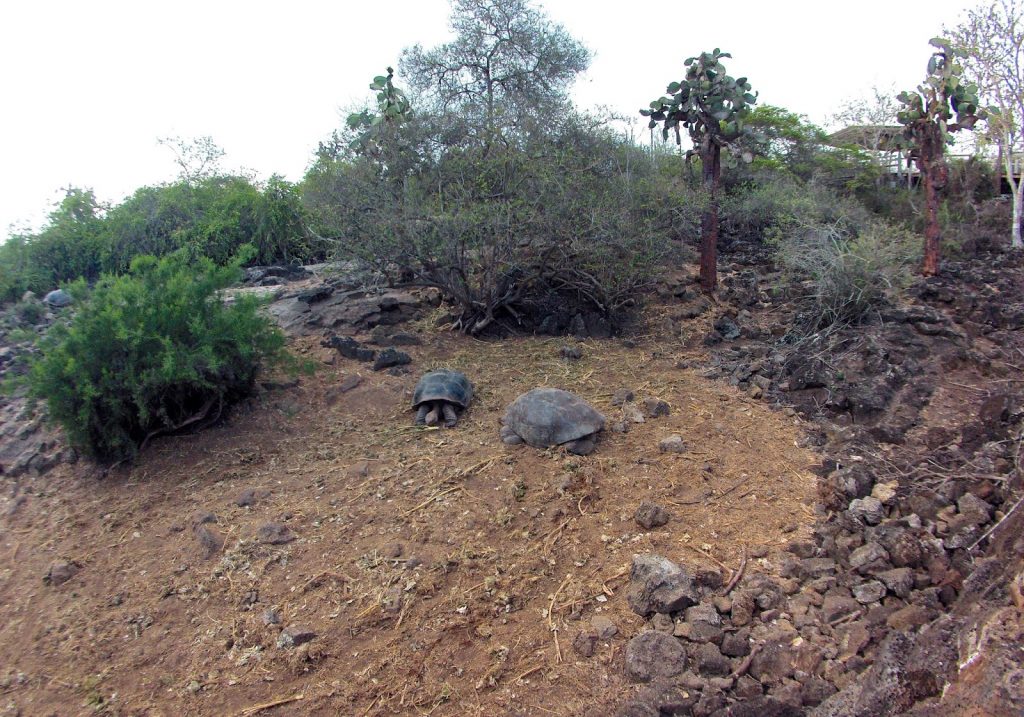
[1016, 193]
[711, 159]
[933, 174]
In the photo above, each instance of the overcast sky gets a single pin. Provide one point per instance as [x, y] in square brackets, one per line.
[88, 86]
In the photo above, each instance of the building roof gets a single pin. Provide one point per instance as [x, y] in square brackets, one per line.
[868, 136]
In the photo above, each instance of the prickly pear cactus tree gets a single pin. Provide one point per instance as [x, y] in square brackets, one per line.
[927, 117]
[393, 108]
[711, 106]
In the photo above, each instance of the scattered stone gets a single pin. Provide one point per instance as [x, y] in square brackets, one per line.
[773, 663]
[868, 556]
[249, 497]
[293, 636]
[389, 358]
[348, 383]
[651, 515]
[274, 534]
[210, 541]
[899, 580]
[659, 585]
[711, 662]
[867, 510]
[885, 492]
[585, 643]
[836, 607]
[271, 617]
[60, 572]
[655, 407]
[909, 618]
[393, 551]
[570, 353]
[315, 294]
[604, 627]
[869, 592]
[350, 348]
[392, 600]
[736, 644]
[622, 396]
[673, 444]
[650, 655]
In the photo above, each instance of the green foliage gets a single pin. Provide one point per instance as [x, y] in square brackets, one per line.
[212, 217]
[393, 107]
[152, 351]
[710, 104]
[928, 110]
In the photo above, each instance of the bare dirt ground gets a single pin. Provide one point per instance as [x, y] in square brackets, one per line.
[441, 572]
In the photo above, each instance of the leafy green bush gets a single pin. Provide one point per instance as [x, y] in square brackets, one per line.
[151, 352]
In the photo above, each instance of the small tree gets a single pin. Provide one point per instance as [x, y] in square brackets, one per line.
[711, 105]
[992, 38]
[927, 129]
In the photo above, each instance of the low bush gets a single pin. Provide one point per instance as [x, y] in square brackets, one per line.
[151, 352]
[849, 271]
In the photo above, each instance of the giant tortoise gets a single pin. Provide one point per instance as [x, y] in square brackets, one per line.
[547, 417]
[441, 393]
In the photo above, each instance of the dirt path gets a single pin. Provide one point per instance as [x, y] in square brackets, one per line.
[441, 572]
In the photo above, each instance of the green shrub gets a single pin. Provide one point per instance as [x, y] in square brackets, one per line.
[150, 352]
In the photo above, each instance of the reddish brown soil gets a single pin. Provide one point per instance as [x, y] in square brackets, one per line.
[512, 546]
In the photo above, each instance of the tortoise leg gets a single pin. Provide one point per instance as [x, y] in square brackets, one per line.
[581, 446]
[509, 437]
[450, 416]
[432, 415]
[421, 413]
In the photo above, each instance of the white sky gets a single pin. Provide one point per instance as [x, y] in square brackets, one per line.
[89, 85]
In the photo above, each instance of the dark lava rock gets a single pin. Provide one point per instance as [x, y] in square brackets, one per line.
[60, 572]
[293, 636]
[711, 662]
[350, 348]
[210, 541]
[585, 643]
[773, 663]
[622, 396]
[314, 294]
[390, 358]
[727, 328]
[650, 655]
[604, 627]
[659, 585]
[249, 497]
[764, 706]
[274, 534]
[659, 700]
[736, 644]
[651, 515]
[655, 407]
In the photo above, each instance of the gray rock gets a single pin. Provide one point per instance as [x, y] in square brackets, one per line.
[655, 407]
[651, 515]
[899, 580]
[604, 627]
[673, 444]
[867, 510]
[659, 585]
[869, 592]
[60, 572]
[350, 348]
[836, 607]
[736, 644]
[389, 358]
[622, 396]
[711, 662]
[868, 555]
[293, 636]
[651, 655]
[274, 534]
